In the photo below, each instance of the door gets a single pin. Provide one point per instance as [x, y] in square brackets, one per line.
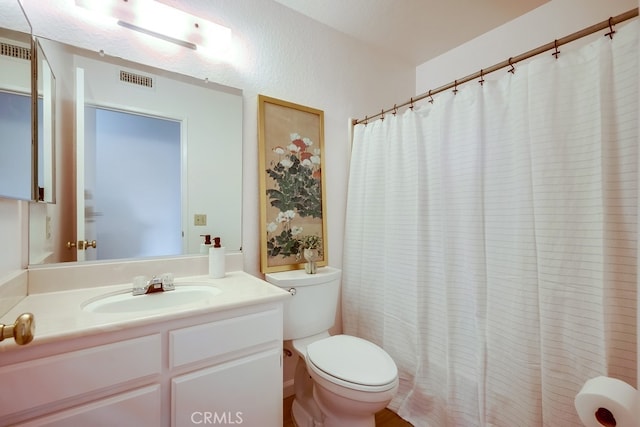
[79, 243]
[128, 183]
[132, 184]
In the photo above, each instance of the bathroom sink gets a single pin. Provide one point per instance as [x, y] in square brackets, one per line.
[183, 295]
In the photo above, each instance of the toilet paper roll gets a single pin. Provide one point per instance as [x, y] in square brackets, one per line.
[608, 402]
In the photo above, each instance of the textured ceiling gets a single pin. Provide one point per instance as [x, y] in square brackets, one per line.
[416, 30]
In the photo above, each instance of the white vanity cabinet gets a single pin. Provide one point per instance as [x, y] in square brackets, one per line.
[246, 397]
[47, 383]
[244, 391]
[140, 407]
[221, 368]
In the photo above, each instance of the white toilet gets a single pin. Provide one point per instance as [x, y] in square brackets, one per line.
[340, 380]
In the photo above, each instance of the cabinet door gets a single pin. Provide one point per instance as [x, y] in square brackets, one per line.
[245, 391]
[139, 407]
[68, 376]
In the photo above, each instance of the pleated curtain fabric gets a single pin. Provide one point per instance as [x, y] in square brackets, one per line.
[491, 240]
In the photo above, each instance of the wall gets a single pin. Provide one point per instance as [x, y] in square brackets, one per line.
[551, 21]
[13, 223]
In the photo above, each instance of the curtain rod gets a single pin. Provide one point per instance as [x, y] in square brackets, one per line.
[609, 23]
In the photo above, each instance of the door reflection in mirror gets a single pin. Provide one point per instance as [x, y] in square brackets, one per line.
[132, 185]
[15, 145]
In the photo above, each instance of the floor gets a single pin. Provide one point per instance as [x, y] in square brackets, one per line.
[384, 418]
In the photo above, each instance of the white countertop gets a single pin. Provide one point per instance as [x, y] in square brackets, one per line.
[59, 315]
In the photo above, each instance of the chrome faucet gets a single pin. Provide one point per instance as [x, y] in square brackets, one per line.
[142, 286]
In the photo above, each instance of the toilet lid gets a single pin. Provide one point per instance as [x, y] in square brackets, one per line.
[353, 360]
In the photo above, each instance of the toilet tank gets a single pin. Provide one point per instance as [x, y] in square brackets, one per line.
[312, 308]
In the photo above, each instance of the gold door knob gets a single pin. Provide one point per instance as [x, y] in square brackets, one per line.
[22, 330]
[82, 244]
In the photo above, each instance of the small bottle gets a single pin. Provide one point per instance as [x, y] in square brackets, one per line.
[204, 247]
[216, 259]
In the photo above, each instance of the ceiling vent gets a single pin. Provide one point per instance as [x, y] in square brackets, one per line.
[136, 79]
[14, 51]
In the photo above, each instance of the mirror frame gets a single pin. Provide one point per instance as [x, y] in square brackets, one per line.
[46, 194]
[34, 120]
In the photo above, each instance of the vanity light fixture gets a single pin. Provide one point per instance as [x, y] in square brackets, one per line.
[164, 22]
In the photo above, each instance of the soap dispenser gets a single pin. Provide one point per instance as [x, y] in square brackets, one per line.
[204, 246]
[216, 259]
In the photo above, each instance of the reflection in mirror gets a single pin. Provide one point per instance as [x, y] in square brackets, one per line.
[118, 204]
[44, 131]
[16, 153]
[125, 114]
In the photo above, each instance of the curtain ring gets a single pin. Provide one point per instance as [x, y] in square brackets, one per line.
[557, 52]
[481, 81]
[455, 87]
[611, 30]
[430, 98]
[411, 104]
[366, 120]
[395, 109]
[382, 114]
[513, 69]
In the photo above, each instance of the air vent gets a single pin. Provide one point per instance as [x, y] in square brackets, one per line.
[136, 79]
[14, 51]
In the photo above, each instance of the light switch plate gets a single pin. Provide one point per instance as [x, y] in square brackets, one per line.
[200, 219]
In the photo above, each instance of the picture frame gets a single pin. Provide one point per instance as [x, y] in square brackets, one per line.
[292, 203]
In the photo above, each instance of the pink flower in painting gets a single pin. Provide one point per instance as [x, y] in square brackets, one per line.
[299, 142]
[293, 148]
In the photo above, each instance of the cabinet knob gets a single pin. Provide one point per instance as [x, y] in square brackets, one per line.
[22, 330]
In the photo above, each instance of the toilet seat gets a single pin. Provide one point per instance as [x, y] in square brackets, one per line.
[353, 363]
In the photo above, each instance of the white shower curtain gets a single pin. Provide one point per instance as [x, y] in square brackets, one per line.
[491, 240]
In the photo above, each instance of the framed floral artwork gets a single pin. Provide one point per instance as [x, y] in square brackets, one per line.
[292, 208]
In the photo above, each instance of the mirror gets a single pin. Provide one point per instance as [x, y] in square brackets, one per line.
[16, 148]
[104, 108]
